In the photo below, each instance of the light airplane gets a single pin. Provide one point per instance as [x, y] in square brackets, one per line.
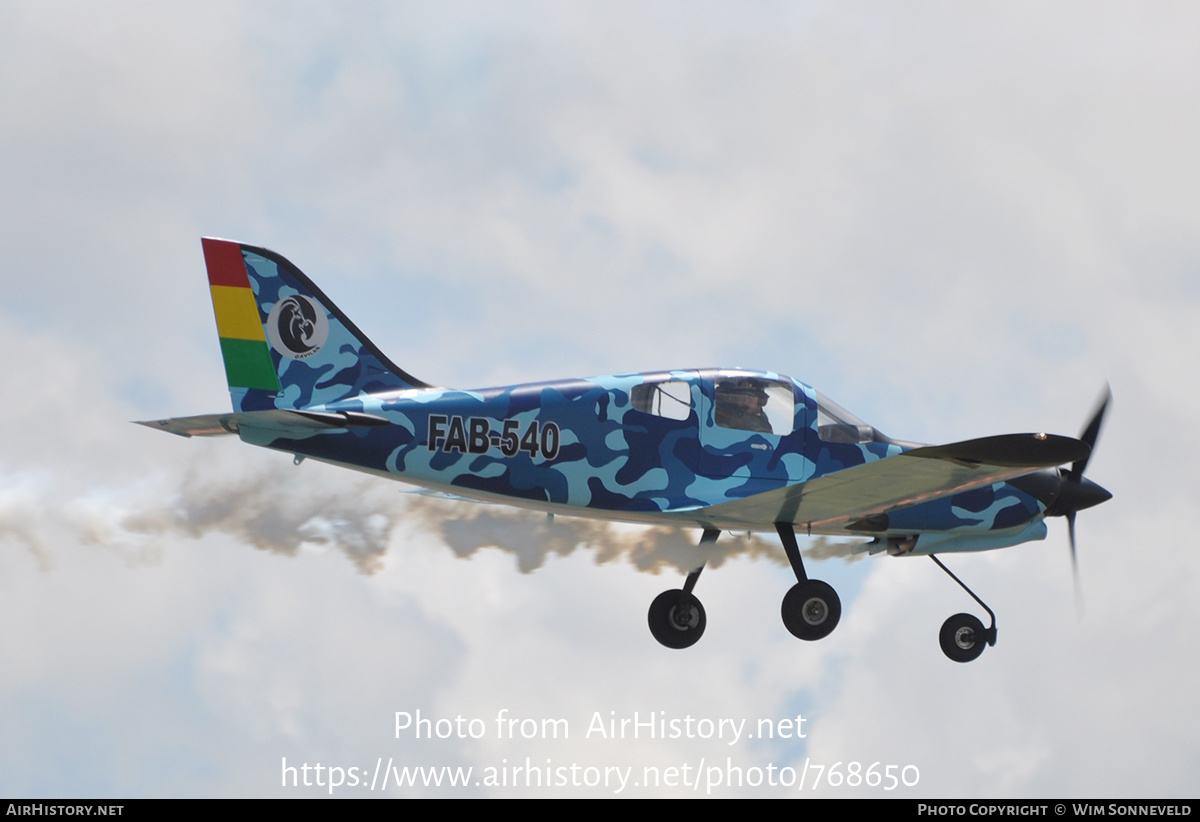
[715, 449]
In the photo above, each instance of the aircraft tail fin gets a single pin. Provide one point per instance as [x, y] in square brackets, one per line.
[284, 343]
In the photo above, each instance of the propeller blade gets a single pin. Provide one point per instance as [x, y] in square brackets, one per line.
[1078, 493]
[1075, 565]
[1091, 432]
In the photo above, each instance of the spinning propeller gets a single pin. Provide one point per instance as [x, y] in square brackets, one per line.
[1076, 493]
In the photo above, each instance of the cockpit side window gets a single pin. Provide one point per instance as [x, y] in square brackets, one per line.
[671, 399]
[754, 404]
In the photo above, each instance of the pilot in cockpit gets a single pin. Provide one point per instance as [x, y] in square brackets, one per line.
[740, 403]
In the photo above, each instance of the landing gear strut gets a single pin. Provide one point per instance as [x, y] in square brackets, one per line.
[676, 617]
[811, 609]
[963, 636]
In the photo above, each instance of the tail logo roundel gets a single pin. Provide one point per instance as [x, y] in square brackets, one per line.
[297, 327]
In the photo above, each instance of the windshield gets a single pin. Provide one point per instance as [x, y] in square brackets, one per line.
[836, 424]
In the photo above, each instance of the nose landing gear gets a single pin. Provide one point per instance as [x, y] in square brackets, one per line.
[963, 636]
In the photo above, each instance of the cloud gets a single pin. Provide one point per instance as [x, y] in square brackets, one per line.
[956, 222]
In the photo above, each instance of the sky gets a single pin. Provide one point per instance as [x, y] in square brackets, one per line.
[956, 220]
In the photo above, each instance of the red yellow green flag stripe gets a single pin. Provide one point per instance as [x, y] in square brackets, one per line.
[239, 324]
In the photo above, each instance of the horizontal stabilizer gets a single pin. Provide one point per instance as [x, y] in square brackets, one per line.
[204, 425]
[298, 422]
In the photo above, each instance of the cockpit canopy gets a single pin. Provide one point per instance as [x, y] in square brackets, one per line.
[836, 424]
[749, 401]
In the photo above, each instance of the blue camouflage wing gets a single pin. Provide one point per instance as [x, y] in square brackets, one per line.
[831, 502]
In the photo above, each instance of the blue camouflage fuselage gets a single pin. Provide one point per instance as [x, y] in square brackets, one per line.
[639, 447]
[582, 444]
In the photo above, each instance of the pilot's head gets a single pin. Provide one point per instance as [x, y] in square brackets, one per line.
[742, 393]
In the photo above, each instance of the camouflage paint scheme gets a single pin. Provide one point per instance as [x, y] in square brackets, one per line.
[607, 460]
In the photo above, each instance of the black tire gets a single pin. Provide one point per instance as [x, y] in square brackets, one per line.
[811, 610]
[963, 638]
[677, 619]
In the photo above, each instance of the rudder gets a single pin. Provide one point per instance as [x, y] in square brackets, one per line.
[284, 343]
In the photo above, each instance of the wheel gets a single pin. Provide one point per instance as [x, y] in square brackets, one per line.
[962, 638]
[677, 619]
[811, 610]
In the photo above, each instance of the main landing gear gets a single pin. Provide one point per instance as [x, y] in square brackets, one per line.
[963, 636]
[811, 609]
[676, 616]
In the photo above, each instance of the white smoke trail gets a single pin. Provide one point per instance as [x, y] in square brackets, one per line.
[281, 510]
[531, 538]
[25, 517]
